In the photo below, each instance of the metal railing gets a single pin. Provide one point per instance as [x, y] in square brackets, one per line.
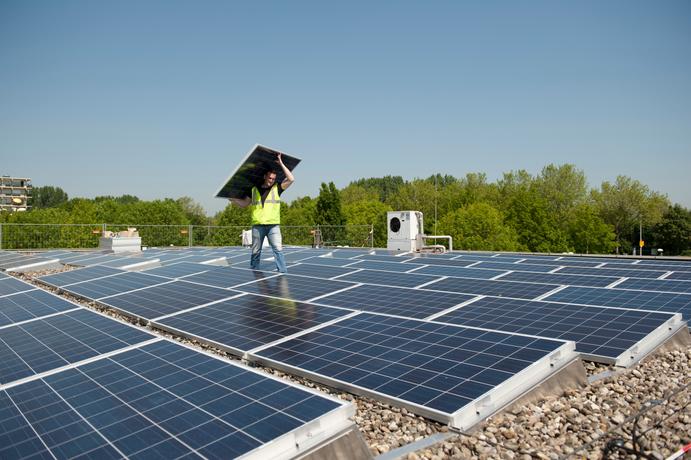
[86, 236]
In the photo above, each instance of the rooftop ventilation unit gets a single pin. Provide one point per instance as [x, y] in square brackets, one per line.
[403, 230]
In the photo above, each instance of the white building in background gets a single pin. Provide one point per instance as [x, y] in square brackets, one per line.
[15, 193]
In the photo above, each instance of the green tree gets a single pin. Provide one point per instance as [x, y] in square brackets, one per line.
[385, 186]
[588, 233]
[563, 188]
[370, 212]
[626, 204]
[329, 216]
[356, 193]
[47, 196]
[480, 227]
[673, 232]
[194, 211]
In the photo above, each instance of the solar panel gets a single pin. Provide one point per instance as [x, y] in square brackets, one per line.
[3, 276]
[24, 263]
[644, 300]
[652, 265]
[243, 323]
[250, 172]
[31, 304]
[523, 267]
[492, 287]
[294, 287]
[460, 272]
[411, 303]
[665, 285]
[90, 259]
[388, 266]
[226, 277]
[389, 278]
[330, 261]
[112, 285]
[319, 271]
[556, 263]
[164, 299]
[613, 335]
[164, 401]
[13, 285]
[618, 272]
[441, 371]
[684, 276]
[45, 344]
[558, 278]
[177, 270]
[79, 275]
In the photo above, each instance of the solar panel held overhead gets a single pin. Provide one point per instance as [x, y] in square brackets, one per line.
[251, 170]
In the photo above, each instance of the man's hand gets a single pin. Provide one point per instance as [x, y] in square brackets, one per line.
[279, 159]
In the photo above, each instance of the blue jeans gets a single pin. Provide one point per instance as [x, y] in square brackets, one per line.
[273, 232]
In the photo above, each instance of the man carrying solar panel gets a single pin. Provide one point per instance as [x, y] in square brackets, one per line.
[265, 203]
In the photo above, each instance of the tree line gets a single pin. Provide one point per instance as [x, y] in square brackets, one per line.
[553, 211]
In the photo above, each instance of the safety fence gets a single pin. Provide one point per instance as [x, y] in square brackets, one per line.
[86, 236]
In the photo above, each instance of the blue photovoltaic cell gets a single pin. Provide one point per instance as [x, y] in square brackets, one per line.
[91, 259]
[3, 276]
[598, 331]
[476, 258]
[436, 366]
[644, 300]
[160, 401]
[22, 262]
[112, 285]
[411, 303]
[388, 266]
[492, 287]
[319, 271]
[460, 272]
[12, 285]
[250, 321]
[177, 270]
[665, 285]
[165, 299]
[31, 304]
[332, 261]
[560, 262]
[618, 272]
[389, 278]
[79, 275]
[226, 277]
[558, 278]
[300, 255]
[294, 287]
[656, 266]
[523, 256]
[45, 344]
[523, 267]
[684, 276]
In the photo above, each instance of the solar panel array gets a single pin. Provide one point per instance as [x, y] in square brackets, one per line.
[435, 334]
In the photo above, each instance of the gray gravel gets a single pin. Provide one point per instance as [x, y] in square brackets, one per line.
[576, 424]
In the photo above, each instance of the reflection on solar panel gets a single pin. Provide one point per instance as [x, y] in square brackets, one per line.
[243, 323]
[685, 276]
[12, 285]
[441, 371]
[489, 287]
[165, 299]
[24, 263]
[603, 334]
[411, 303]
[31, 304]
[164, 401]
[46, 344]
[665, 285]
[618, 272]
[387, 266]
[294, 287]
[657, 301]
[319, 271]
[389, 278]
[557, 278]
[226, 277]
[522, 267]
[112, 285]
[177, 270]
[331, 261]
[77, 276]
[460, 272]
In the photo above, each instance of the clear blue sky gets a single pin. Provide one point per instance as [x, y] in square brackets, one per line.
[163, 98]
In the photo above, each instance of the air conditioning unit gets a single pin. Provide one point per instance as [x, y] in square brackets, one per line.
[403, 230]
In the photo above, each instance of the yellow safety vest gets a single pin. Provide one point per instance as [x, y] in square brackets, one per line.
[270, 212]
